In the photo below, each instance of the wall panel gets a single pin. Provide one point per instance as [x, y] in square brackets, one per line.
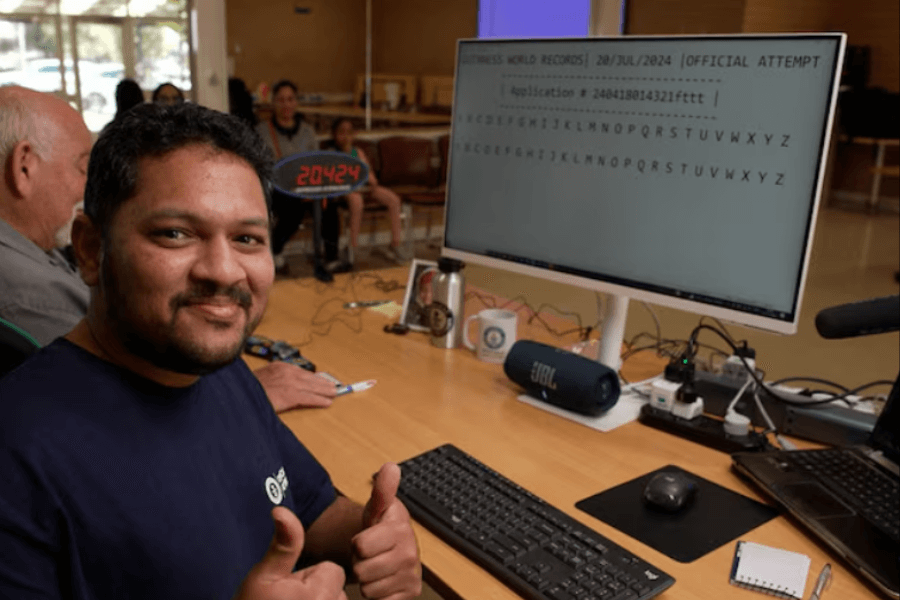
[321, 51]
[418, 37]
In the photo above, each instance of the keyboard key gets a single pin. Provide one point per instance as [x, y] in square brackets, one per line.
[557, 593]
[501, 553]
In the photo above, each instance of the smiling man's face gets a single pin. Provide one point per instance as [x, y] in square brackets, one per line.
[186, 269]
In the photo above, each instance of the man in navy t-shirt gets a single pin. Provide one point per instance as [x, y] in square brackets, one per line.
[139, 456]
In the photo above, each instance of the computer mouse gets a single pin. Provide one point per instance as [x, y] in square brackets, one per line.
[670, 491]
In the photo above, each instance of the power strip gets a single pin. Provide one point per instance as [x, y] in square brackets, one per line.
[703, 430]
[828, 424]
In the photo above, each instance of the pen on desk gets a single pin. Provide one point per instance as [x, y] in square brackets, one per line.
[821, 582]
[355, 387]
[365, 303]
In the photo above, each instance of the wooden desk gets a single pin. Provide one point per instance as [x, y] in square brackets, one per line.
[426, 396]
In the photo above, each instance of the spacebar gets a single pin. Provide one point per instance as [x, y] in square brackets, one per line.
[414, 499]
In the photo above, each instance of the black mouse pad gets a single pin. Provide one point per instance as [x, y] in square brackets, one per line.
[715, 517]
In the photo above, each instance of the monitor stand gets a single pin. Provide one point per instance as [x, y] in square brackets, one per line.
[612, 332]
[609, 354]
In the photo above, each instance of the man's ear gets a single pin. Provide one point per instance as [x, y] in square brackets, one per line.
[23, 168]
[87, 243]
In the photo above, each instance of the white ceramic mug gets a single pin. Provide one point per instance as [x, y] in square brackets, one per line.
[496, 334]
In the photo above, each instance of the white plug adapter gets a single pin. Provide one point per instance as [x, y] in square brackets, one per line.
[734, 368]
[664, 394]
[736, 423]
[688, 410]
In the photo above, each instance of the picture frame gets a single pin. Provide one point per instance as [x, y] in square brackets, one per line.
[418, 294]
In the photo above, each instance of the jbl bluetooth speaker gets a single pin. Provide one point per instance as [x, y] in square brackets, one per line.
[562, 378]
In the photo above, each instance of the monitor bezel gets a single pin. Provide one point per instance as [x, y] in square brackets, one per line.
[787, 325]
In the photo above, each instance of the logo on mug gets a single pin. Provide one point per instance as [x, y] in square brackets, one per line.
[494, 338]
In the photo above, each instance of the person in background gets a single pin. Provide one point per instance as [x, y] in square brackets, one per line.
[240, 101]
[44, 150]
[342, 134]
[286, 133]
[128, 94]
[168, 93]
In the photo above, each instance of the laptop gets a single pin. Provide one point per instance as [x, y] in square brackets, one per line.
[847, 496]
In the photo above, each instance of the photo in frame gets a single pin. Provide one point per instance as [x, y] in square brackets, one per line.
[418, 294]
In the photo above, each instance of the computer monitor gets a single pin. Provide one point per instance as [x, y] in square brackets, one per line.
[683, 171]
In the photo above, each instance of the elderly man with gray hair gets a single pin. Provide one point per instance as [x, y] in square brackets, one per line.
[44, 147]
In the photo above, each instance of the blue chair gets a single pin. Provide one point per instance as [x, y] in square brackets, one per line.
[15, 346]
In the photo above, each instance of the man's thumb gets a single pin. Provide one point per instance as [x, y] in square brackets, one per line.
[286, 546]
[383, 493]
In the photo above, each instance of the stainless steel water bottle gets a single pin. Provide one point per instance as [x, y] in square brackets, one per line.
[445, 313]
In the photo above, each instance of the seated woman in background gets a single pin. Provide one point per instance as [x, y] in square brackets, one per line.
[168, 93]
[287, 133]
[128, 94]
[342, 134]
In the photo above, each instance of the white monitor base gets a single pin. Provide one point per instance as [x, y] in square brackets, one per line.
[625, 410]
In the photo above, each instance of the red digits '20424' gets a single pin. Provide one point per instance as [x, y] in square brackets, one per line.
[334, 174]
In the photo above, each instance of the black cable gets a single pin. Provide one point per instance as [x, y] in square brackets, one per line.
[381, 284]
[534, 315]
[692, 339]
[761, 384]
[721, 326]
[352, 319]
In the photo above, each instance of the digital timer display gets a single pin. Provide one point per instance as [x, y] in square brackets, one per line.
[322, 174]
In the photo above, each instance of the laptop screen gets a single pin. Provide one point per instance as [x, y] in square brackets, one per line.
[886, 436]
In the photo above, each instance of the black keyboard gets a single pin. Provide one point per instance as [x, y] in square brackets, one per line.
[532, 547]
[874, 494]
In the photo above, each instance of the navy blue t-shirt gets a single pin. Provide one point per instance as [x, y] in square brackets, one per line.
[115, 487]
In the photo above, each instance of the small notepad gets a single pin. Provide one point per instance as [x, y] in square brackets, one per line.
[770, 570]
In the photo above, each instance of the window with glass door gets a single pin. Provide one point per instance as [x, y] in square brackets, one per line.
[81, 49]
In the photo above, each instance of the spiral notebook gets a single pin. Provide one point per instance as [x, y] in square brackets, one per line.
[773, 571]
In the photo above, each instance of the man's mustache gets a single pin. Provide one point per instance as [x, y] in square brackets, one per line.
[205, 292]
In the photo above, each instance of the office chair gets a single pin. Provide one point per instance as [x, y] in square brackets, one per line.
[15, 346]
[435, 198]
[407, 167]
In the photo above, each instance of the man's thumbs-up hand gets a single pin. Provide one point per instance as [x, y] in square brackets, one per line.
[273, 578]
[384, 492]
[386, 557]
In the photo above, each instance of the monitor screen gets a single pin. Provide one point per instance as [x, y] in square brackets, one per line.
[680, 170]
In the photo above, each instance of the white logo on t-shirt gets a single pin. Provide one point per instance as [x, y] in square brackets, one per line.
[276, 486]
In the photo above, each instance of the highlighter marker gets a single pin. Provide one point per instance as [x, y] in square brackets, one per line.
[356, 387]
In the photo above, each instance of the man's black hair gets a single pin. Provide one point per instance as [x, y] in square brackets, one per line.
[152, 131]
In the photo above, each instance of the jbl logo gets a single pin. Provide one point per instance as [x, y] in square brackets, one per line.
[542, 374]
